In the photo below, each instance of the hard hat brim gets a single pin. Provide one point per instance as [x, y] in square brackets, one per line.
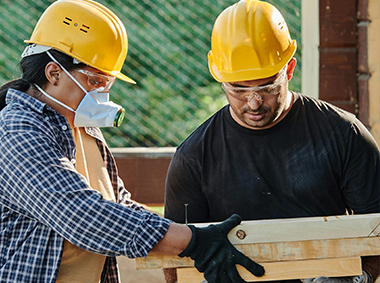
[123, 77]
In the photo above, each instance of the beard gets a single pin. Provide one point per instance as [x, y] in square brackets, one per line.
[269, 115]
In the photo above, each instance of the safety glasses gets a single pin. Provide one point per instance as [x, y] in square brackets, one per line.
[259, 92]
[96, 80]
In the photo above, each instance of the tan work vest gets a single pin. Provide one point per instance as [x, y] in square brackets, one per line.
[78, 265]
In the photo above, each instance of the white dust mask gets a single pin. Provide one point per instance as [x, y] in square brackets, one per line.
[95, 109]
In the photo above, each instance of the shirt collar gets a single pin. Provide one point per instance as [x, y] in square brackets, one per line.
[14, 95]
[25, 99]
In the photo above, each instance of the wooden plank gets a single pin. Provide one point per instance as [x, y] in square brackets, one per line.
[281, 251]
[308, 228]
[289, 270]
[294, 239]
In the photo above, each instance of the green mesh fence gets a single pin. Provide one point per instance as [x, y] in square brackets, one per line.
[167, 57]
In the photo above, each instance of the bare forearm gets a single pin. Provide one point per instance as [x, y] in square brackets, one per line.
[176, 239]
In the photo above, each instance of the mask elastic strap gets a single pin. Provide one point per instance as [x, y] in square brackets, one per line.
[55, 100]
[68, 73]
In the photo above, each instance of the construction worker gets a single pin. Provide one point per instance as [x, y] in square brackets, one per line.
[270, 153]
[65, 214]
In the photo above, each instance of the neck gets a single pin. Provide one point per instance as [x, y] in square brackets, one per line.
[64, 111]
[287, 106]
[289, 101]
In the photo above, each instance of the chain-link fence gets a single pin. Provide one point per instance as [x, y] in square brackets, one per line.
[168, 45]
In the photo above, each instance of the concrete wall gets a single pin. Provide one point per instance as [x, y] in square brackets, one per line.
[310, 47]
[374, 67]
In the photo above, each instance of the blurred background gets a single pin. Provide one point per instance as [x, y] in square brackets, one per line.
[168, 45]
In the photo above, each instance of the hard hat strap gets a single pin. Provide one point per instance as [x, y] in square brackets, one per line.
[54, 99]
[67, 72]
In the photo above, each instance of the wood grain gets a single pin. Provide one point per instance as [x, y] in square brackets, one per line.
[281, 251]
[289, 270]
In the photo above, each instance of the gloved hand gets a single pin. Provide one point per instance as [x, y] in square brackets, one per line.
[364, 278]
[215, 256]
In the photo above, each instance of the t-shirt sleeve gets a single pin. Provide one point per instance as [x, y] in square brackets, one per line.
[184, 199]
[361, 171]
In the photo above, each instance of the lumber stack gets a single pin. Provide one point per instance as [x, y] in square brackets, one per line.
[292, 248]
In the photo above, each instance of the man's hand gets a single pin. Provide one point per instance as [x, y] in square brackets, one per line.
[215, 256]
[364, 278]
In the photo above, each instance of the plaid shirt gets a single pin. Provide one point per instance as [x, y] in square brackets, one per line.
[44, 200]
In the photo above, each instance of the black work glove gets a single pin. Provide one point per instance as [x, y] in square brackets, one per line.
[215, 256]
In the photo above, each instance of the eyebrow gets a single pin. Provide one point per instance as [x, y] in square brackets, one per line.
[264, 84]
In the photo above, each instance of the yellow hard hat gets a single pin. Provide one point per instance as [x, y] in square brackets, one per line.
[87, 31]
[250, 40]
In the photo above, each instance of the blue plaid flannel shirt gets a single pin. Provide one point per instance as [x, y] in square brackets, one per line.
[43, 199]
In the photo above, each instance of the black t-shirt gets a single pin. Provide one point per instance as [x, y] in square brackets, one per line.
[318, 161]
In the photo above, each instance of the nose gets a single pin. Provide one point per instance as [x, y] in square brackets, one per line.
[254, 101]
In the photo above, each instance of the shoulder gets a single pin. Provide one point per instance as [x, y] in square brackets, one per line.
[18, 119]
[323, 110]
[22, 111]
[330, 119]
[204, 132]
[29, 116]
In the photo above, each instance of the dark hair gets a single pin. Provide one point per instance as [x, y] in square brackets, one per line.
[33, 72]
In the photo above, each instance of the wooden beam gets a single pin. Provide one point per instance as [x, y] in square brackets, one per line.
[280, 251]
[294, 239]
[303, 229]
[289, 270]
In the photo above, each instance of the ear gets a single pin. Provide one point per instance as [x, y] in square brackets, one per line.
[291, 65]
[52, 73]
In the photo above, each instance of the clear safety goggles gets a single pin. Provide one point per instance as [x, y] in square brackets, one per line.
[96, 80]
[259, 92]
